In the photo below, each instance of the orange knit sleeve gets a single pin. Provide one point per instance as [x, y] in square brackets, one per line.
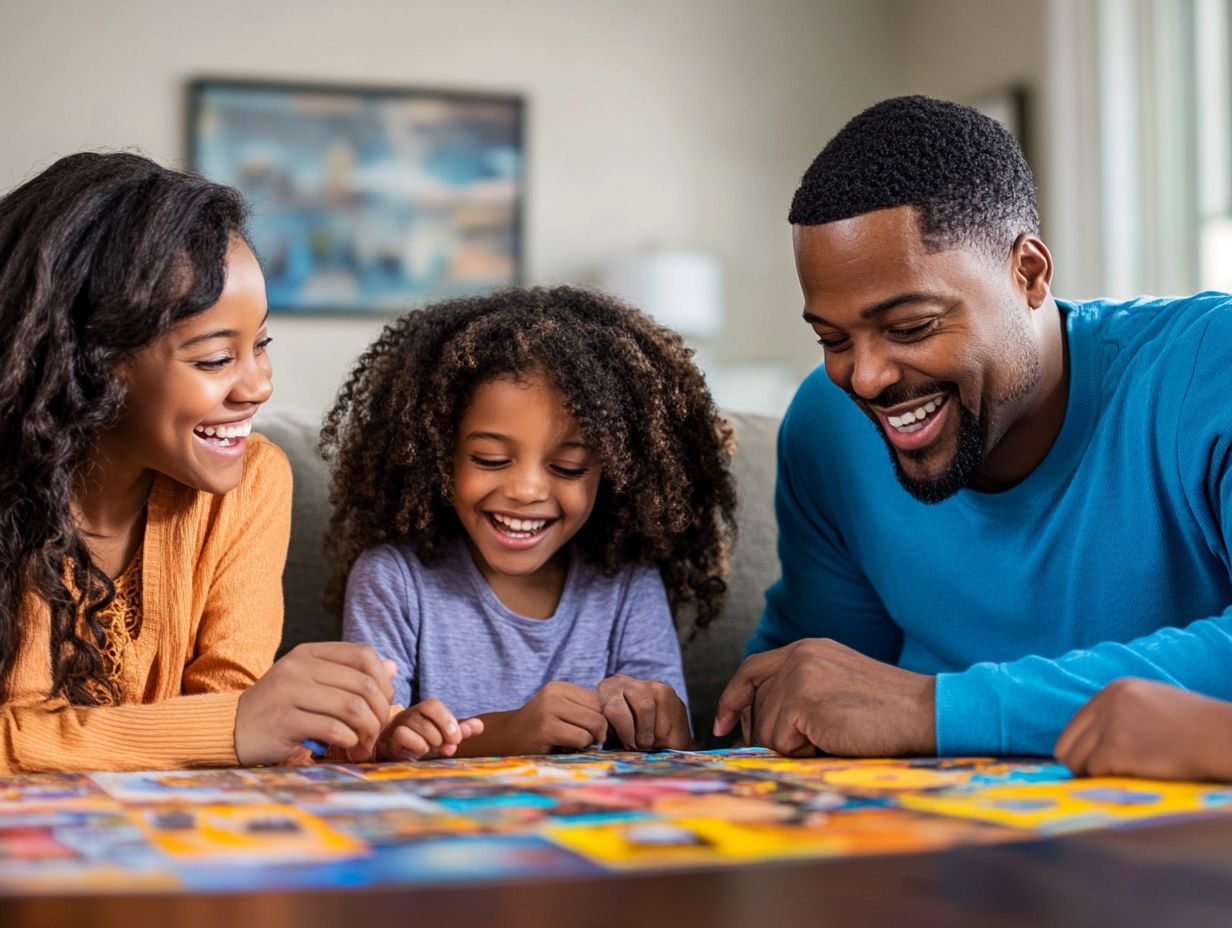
[180, 732]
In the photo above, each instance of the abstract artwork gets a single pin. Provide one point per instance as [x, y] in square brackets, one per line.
[367, 199]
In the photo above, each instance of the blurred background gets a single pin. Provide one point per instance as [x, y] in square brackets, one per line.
[661, 140]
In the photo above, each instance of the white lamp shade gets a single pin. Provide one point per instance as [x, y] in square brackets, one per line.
[679, 289]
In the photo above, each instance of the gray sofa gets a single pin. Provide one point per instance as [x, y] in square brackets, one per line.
[709, 661]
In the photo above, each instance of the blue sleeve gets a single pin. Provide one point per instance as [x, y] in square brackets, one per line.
[378, 612]
[645, 643]
[1020, 707]
[822, 592]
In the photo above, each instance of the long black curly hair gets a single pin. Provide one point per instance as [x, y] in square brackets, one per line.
[665, 498]
[100, 254]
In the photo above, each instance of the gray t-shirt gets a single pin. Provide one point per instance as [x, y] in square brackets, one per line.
[454, 640]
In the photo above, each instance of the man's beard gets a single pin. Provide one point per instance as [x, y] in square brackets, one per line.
[968, 457]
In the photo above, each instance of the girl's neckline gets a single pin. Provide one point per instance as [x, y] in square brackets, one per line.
[489, 597]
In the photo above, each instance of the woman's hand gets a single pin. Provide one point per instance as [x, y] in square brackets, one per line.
[334, 692]
[645, 714]
[424, 731]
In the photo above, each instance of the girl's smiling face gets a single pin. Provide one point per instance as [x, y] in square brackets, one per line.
[192, 392]
[524, 482]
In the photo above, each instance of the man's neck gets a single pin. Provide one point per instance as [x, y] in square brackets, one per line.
[1027, 442]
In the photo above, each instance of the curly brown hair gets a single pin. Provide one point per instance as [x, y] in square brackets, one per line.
[665, 498]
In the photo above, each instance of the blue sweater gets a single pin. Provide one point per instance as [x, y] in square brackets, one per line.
[1110, 559]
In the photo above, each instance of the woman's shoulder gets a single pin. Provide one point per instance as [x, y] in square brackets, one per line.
[265, 464]
[266, 482]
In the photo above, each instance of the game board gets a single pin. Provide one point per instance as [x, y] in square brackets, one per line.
[507, 818]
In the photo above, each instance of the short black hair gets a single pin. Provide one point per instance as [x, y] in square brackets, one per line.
[963, 171]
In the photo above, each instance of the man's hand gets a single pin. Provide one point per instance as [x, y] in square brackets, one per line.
[424, 731]
[1143, 728]
[816, 694]
[329, 691]
[645, 714]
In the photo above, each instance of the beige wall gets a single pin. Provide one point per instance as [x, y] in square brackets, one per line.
[965, 49]
[660, 122]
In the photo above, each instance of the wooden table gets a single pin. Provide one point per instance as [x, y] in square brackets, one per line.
[1163, 875]
[1177, 873]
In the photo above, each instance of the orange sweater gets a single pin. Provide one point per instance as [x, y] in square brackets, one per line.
[211, 621]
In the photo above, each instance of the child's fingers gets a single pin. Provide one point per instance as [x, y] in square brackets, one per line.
[586, 718]
[435, 712]
[563, 734]
[618, 714]
[671, 720]
[642, 704]
[426, 728]
[577, 695]
[470, 727]
[409, 743]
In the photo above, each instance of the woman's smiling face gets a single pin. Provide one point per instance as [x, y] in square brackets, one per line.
[192, 393]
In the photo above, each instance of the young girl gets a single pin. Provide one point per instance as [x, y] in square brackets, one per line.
[527, 486]
[143, 527]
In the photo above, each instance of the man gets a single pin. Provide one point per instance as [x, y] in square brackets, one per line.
[1055, 510]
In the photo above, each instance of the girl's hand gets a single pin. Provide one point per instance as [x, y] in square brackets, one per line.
[645, 714]
[333, 692]
[424, 731]
[1147, 729]
[560, 715]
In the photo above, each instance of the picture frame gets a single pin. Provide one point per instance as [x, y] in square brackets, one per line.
[367, 199]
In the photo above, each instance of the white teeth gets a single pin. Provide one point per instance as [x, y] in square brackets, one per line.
[225, 433]
[524, 527]
[913, 421]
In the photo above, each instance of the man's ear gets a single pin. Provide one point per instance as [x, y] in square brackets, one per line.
[1031, 264]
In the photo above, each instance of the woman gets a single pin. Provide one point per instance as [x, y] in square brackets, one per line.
[143, 529]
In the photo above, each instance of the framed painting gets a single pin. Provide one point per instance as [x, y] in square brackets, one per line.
[368, 199]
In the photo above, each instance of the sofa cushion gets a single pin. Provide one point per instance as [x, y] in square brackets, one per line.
[709, 661]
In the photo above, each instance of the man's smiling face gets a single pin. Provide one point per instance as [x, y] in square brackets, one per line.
[936, 346]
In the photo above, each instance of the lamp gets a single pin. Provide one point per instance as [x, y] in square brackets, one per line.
[679, 289]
